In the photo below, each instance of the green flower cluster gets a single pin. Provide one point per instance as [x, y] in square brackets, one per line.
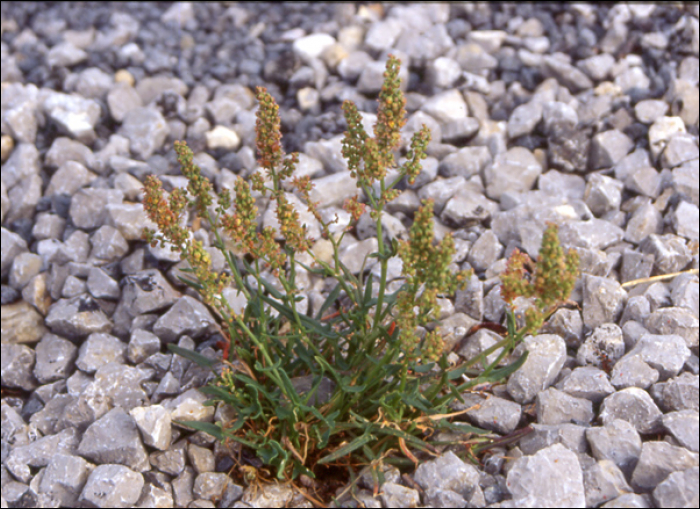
[549, 281]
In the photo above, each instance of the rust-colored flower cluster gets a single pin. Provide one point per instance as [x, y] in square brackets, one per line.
[550, 281]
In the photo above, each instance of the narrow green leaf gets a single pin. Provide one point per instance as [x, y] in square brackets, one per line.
[456, 373]
[197, 358]
[368, 291]
[206, 427]
[192, 284]
[504, 372]
[344, 451]
[329, 301]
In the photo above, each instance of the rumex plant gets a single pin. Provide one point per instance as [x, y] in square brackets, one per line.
[354, 384]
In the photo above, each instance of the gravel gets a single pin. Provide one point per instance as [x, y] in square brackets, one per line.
[584, 115]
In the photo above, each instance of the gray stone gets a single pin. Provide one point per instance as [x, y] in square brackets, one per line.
[98, 350]
[427, 46]
[661, 132]
[466, 162]
[657, 461]
[680, 148]
[446, 107]
[597, 67]
[680, 489]
[603, 301]
[485, 251]
[552, 477]
[77, 317]
[635, 406]
[88, 211]
[515, 171]
[333, 190]
[547, 353]
[649, 110]
[605, 340]
[571, 436]
[352, 66]
[680, 393]
[565, 73]
[73, 115]
[493, 413]
[17, 361]
[395, 495]
[670, 252]
[602, 480]
[478, 342]
[591, 234]
[587, 382]
[683, 426]
[466, 203]
[458, 131]
[64, 478]
[645, 181]
[524, 119]
[617, 441]
[5, 203]
[112, 486]
[665, 353]
[187, 316]
[638, 308]
[65, 54]
[448, 472]
[443, 72]
[634, 83]
[142, 344]
[383, 34]
[645, 221]
[673, 320]
[685, 220]
[471, 299]
[114, 438]
[474, 59]
[635, 265]
[560, 184]
[48, 226]
[632, 371]
[146, 130]
[24, 198]
[556, 407]
[608, 148]
[39, 452]
[24, 267]
[108, 244]
[101, 286]
[55, 358]
[122, 99]
[684, 292]
[603, 194]
[568, 324]
[686, 181]
[683, 97]
[441, 190]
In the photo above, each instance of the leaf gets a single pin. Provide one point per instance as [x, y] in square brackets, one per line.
[347, 449]
[206, 427]
[329, 301]
[191, 355]
[368, 290]
[192, 284]
[504, 372]
[270, 455]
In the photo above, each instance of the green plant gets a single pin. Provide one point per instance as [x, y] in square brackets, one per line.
[358, 384]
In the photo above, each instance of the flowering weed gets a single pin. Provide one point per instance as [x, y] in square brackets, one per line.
[357, 385]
